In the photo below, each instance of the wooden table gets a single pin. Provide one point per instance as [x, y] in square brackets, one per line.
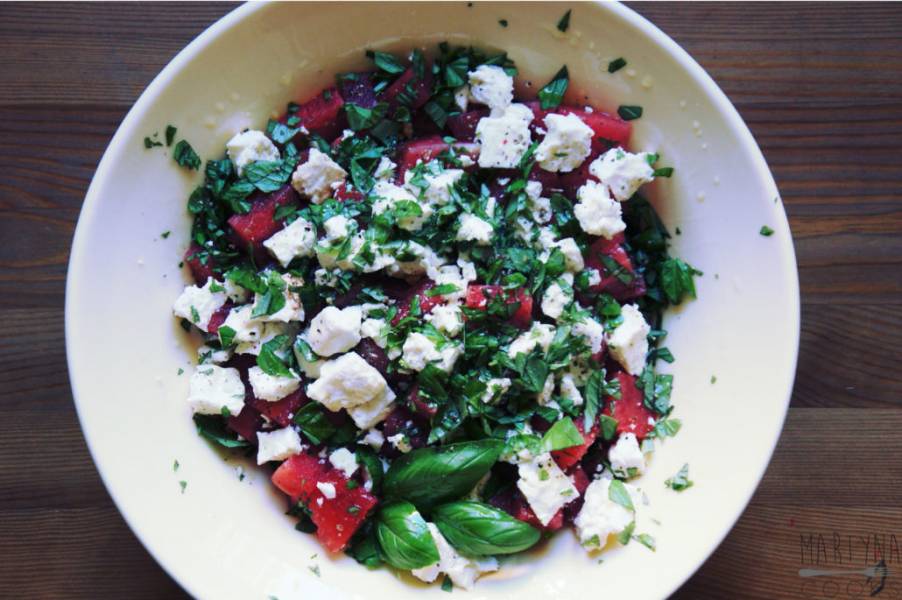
[821, 87]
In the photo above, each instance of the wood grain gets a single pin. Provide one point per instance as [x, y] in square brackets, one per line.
[820, 87]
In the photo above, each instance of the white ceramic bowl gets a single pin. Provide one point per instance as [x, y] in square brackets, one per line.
[226, 538]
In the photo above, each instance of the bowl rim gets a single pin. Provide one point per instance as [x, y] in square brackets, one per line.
[233, 18]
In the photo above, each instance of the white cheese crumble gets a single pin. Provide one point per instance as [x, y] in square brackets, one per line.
[375, 330]
[351, 383]
[297, 239]
[539, 334]
[373, 438]
[490, 85]
[473, 229]
[556, 298]
[573, 258]
[248, 147]
[592, 331]
[400, 442]
[271, 388]
[318, 177]
[197, 304]
[628, 342]
[333, 330]
[293, 309]
[447, 318]
[418, 351]
[344, 460]
[336, 228]
[385, 170]
[462, 571]
[566, 145]
[326, 489]
[600, 516]
[626, 457]
[277, 445]
[213, 388]
[388, 194]
[622, 172]
[546, 487]
[504, 137]
[437, 189]
[567, 389]
[597, 212]
[495, 388]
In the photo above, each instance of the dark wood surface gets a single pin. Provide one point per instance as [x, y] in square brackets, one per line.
[820, 85]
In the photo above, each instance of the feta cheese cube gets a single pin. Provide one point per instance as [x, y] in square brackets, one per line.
[546, 487]
[213, 388]
[206, 354]
[344, 460]
[271, 388]
[385, 170]
[277, 445]
[297, 239]
[387, 195]
[373, 438]
[597, 212]
[628, 342]
[473, 229]
[197, 304]
[373, 412]
[333, 330]
[504, 137]
[567, 389]
[400, 442]
[248, 147]
[622, 172]
[326, 489]
[447, 318]
[293, 309]
[490, 85]
[327, 253]
[593, 277]
[375, 330]
[462, 97]
[349, 382]
[495, 388]
[539, 334]
[544, 397]
[592, 331]
[462, 571]
[336, 228]
[246, 328]
[567, 143]
[270, 331]
[418, 351]
[318, 177]
[625, 456]
[600, 516]
[556, 298]
[573, 258]
[235, 292]
[437, 190]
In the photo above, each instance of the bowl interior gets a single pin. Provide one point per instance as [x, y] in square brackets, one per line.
[223, 536]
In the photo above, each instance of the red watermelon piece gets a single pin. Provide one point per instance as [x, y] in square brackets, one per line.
[478, 297]
[568, 457]
[251, 229]
[623, 283]
[630, 411]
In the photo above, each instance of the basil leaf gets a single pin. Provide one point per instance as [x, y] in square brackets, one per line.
[666, 428]
[552, 94]
[213, 427]
[269, 362]
[386, 62]
[226, 335]
[149, 143]
[629, 113]
[680, 481]
[766, 231]
[616, 64]
[430, 476]
[534, 374]
[676, 280]
[269, 175]
[656, 390]
[365, 118]
[608, 427]
[404, 537]
[185, 156]
[617, 493]
[370, 461]
[170, 134]
[313, 423]
[562, 434]
[564, 23]
[477, 529]
[364, 547]
[441, 290]
[592, 397]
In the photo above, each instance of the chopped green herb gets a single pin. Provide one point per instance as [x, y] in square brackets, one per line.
[766, 231]
[663, 172]
[713, 379]
[616, 64]
[149, 143]
[552, 94]
[165, 234]
[175, 465]
[180, 371]
[185, 156]
[315, 570]
[183, 485]
[646, 540]
[502, 22]
[564, 23]
[619, 494]
[170, 134]
[447, 584]
[680, 481]
[629, 113]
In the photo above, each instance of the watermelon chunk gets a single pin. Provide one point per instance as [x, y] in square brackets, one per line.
[323, 115]
[568, 457]
[426, 149]
[251, 229]
[622, 282]
[426, 302]
[630, 411]
[336, 519]
[463, 126]
[347, 193]
[512, 501]
[409, 91]
[219, 317]
[603, 125]
[201, 270]
[478, 297]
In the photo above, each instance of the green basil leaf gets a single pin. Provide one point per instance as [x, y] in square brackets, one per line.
[404, 537]
[364, 547]
[170, 134]
[680, 481]
[441, 290]
[629, 113]
[564, 23]
[562, 434]
[616, 64]
[365, 118]
[534, 374]
[592, 397]
[617, 493]
[386, 62]
[676, 280]
[269, 362]
[185, 156]
[552, 94]
[477, 529]
[430, 476]
[226, 335]
[666, 428]
[313, 423]
[269, 175]
[213, 427]
[608, 427]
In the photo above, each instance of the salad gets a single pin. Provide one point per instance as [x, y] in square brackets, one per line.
[433, 310]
